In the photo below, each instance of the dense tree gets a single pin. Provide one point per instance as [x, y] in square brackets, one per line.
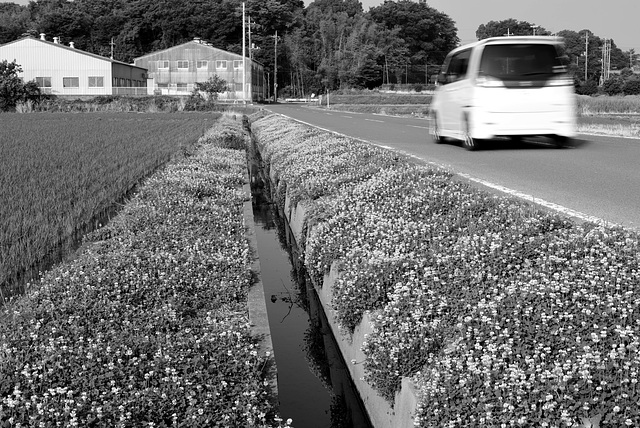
[329, 44]
[631, 86]
[509, 27]
[394, 54]
[427, 33]
[62, 19]
[575, 44]
[269, 17]
[14, 21]
[619, 59]
[13, 89]
[328, 25]
[613, 86]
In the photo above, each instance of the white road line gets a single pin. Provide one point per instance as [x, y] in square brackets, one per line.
[348, 117]
[374, 120]
[550, 205]
[421, 127]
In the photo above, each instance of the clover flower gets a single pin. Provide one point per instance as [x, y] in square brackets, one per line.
[502, 314]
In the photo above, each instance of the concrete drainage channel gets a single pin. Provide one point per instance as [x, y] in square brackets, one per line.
[314, 385]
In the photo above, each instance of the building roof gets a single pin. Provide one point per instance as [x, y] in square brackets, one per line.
[69, 48]
[198, 42]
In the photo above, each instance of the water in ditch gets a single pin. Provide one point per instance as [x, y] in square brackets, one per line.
[314, 385]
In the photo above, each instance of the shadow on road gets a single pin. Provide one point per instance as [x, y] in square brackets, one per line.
[537, 143]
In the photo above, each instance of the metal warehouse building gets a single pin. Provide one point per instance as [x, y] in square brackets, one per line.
[176, 70]
[63, 70]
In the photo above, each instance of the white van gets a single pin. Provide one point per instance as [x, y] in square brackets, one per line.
[505, 87]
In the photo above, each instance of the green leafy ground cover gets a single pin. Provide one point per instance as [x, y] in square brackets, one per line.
[502, 314]
[148, 325]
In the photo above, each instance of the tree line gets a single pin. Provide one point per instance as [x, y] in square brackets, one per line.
[583, 51]
[327, 45]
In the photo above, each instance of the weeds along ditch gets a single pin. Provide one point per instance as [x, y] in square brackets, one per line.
[64, 174]
[148, 324]
[499, 313]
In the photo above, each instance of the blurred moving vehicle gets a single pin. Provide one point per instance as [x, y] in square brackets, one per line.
[505, 87]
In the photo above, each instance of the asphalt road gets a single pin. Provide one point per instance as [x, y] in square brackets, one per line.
[596, 179]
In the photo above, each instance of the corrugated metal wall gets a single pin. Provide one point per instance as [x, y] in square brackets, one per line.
[177, 69]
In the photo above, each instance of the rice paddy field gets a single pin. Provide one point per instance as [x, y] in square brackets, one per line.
[62, 172]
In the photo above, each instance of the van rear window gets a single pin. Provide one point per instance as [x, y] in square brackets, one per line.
[515, 61]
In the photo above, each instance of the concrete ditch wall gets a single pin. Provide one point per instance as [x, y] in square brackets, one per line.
[381, 413]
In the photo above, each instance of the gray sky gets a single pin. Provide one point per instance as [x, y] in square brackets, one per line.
[612, 19]
[615, 19]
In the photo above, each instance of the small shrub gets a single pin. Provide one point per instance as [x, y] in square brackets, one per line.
[632, 86]
[587, 88]
[613, 86]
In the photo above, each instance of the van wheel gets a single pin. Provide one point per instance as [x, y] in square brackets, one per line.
[435, 130]
[468, 142]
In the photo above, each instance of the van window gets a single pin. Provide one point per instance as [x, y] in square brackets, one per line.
[458, 66]
[514, 61]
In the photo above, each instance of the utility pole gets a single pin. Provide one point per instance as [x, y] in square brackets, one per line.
[606, 60]
[426, 71]
[250, 45]
[112, 45]
[275, 69]
[244, 65]
[586, 53]
[509, 34]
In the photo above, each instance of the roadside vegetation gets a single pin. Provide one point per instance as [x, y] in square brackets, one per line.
[148, 324]
[617, 115]
[502, 314]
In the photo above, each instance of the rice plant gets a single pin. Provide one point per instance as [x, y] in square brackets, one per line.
[60, 172]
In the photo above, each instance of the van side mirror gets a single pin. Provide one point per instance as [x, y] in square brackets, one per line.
[442, 79]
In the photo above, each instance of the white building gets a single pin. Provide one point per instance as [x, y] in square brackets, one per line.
[63, 70]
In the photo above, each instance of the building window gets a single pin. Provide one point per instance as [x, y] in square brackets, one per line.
[163, 64]
[183, 65]
[96, 81]
[237, 64]
[202, 64]
[221, 65]
[70, 82]
[238, 87]
[181, 86]
[43, 82]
